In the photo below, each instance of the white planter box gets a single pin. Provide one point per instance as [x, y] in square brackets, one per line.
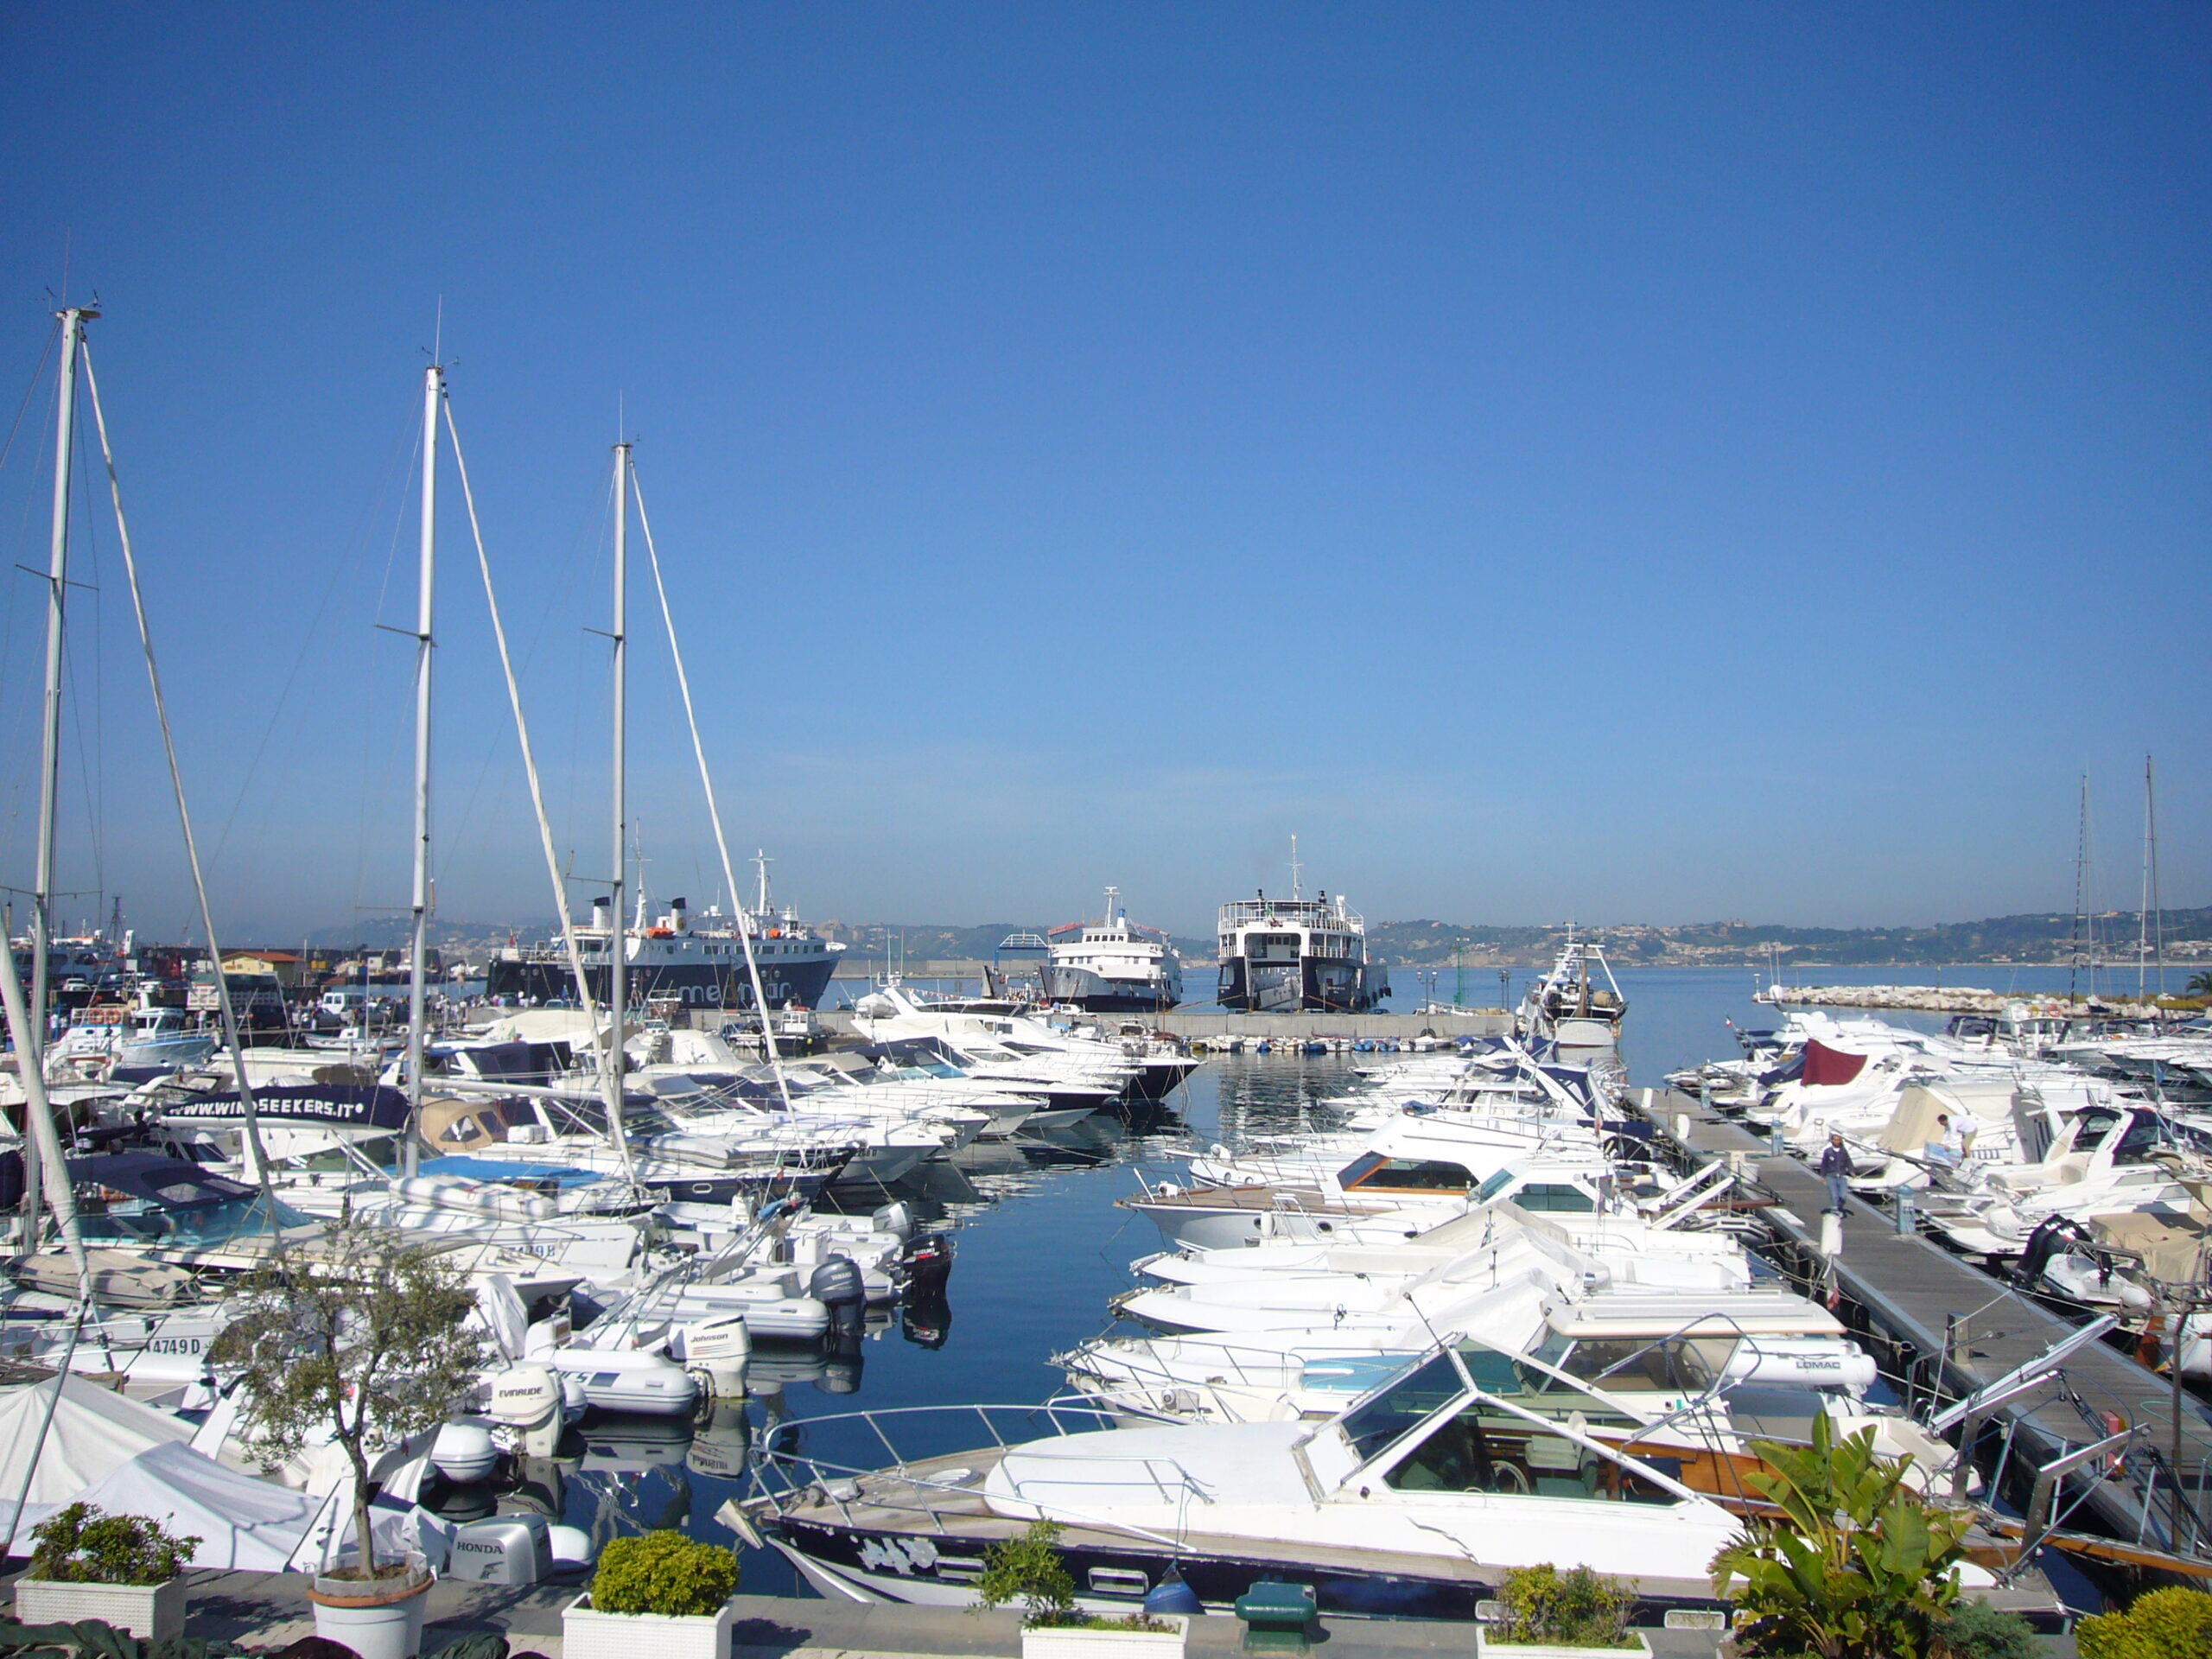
[588, 1635]
[1054, 1642]
[150, 1612]
[1489, 1647]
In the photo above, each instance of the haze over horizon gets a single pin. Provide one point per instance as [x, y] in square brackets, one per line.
[1627, 464]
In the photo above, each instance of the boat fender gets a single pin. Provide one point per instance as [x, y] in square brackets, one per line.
[464, 1452]
[571, 1546]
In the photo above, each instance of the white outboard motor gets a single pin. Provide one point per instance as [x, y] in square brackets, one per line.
[464, 1452]
[529, 1408]
[505, 1549]
[718, 1352]
[896, 1217]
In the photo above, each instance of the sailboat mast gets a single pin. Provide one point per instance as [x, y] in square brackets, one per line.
[49, 775]
[618, 1000]
[57, 590]
[418, 935]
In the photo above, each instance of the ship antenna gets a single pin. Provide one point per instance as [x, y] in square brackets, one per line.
[1294, 868]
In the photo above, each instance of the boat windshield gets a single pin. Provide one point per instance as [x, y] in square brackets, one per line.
[203, 1227]
[1469, 1452]
[1496, 1184]
[1434, 1383]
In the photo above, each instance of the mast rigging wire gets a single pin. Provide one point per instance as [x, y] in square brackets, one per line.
[537, 800]
[184, 818]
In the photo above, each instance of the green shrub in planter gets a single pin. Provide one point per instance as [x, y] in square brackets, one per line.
[1977, 1630]
[663, 1572]
[2169, 1624]
[1027, 1568]
[1578, 1608]
[82, 1545]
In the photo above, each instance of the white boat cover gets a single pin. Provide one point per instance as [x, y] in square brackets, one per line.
[242, 1524]
[95, 1431]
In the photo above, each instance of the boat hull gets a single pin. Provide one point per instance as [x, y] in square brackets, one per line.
[697, 984]
[1095, 992]
[855, 1564]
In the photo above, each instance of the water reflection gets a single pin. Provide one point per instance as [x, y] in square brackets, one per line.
[1038, 1248]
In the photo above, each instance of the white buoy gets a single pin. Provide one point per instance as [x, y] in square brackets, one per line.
[1831, 1234]
[1682, 1127]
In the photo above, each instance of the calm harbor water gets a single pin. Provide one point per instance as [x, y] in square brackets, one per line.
[1040, 1248]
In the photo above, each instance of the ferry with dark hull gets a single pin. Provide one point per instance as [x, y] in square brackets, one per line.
[1287, 955]
[702, 966]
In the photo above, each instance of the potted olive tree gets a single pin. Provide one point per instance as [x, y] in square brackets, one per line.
[1548, 1614]
[123, 1568]
[658, 1596]
[1027, 1568]
[357, 1341]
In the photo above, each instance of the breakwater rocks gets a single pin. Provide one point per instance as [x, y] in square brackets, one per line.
[1943, 999]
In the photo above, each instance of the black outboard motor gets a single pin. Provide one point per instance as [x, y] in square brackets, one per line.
[926, 1264]
[2048, 1238]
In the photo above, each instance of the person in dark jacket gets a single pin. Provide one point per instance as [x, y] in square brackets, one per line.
[1835, 1164]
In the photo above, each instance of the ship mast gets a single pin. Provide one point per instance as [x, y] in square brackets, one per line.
[1294, 868]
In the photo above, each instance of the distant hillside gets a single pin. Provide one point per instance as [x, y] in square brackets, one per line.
[2044, 937]
[2041, 937]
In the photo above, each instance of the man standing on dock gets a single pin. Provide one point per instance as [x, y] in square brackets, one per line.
[1835, 1165]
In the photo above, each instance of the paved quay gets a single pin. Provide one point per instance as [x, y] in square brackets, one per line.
[268, 1610]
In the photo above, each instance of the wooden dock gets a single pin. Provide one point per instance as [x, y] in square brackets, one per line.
[1945, 1326]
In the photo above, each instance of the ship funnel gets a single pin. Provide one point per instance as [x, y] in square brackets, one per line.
[602, 913]
[679, 913]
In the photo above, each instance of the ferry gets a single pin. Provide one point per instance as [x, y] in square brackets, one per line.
[702, 966]
[1283, 955]
[1112, 966]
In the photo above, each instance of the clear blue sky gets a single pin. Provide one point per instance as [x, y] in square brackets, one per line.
[1634, 463]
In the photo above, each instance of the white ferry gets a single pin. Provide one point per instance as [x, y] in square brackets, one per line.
[1112, 966]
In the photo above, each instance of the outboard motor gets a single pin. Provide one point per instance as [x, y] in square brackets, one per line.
[2048, 1238]
[897, 1216]
[717, 1352]
[926, 1265]
[529, 1408]
[838, 1285]
[505, 1549]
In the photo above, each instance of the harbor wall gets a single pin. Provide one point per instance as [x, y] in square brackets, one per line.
[1216, 1022]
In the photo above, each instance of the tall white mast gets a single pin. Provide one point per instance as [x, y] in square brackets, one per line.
[618, 1001]
[418, 938]
[57, 590]
[49, 777]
